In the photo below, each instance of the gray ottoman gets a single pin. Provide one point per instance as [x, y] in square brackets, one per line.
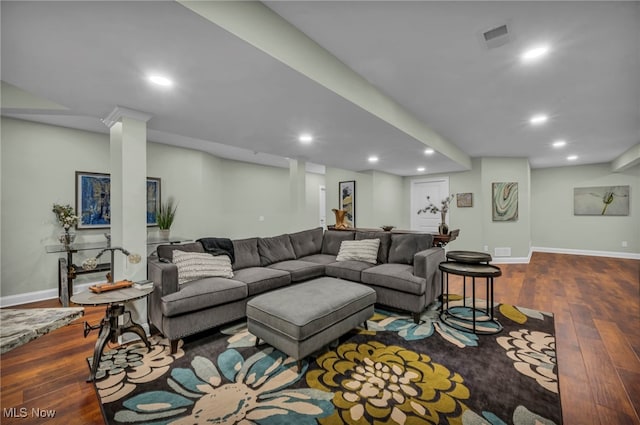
[301, 319]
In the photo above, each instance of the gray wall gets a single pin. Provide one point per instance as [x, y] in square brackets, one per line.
[216, 197]
[380, 197]
[219, 197]
[546, 219]
[555, 226]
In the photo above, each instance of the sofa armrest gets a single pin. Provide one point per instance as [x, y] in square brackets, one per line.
[164, 276]
[425, 263]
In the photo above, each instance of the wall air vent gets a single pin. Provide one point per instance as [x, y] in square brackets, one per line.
[502, 252]
[496, 37]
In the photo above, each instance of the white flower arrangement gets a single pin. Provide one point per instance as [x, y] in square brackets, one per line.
[66, 215]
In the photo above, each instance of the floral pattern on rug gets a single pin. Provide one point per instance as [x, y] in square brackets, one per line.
[376, 383]
[521, 416]
[431, 323]
[251, 391]
[127, 366]
[392, 373]
[534, 355]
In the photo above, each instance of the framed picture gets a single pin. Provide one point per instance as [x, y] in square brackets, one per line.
[464, 200]
[603, 200]
[153, 200]
[504, 205]
[347, 200]
[93, 200]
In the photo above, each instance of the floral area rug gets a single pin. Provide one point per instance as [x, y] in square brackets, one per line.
[396, 372]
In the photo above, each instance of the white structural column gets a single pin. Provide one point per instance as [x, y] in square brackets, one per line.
[128, 138]
[297, 192]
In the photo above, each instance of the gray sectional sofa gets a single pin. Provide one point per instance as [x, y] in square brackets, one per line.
[405, 277]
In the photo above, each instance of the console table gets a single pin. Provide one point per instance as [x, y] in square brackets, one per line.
[438, 239]
[68, 271]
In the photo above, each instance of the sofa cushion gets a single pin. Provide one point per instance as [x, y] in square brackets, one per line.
[319, 258]
[166, 251]
[395, 276]
[262, 279]
[405, 246]
[198, 265]
[307, 242]
[246, 253]
[275, 249]
[203, 293]
[333, 239]
[349, 270]
[385, 243]
[300, 270]
[364, 250]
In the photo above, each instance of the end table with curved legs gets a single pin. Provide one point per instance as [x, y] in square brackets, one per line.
[110, 327]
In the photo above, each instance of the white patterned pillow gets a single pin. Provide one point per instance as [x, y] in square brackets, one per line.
[197, 265]
[363, 250]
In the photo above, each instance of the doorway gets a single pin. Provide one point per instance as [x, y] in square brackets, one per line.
[436, 189]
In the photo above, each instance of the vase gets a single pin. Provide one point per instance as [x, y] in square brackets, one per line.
[164, 233]
[67, 237]
[340, 219]
[443, 228]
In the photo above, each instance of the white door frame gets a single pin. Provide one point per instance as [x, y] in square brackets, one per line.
[416, 204]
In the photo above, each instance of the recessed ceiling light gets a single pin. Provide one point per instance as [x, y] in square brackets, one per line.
[559, 144]
[160, 80]
[429, 151]
[373, 159]
[538, 119]
[534, 53]
[305, 138]
[421, 169]
[572, 157]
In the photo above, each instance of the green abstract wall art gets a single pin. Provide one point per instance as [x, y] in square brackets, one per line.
[504, 206]
[601, 200]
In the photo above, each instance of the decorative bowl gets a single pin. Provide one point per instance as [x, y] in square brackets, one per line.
[387, 228]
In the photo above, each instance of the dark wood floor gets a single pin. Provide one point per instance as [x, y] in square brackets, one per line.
[596, 302]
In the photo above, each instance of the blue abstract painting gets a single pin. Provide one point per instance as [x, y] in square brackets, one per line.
[93, 200]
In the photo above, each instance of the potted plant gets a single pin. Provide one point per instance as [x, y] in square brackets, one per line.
[434, 209]
[66, 217]
[166, 215]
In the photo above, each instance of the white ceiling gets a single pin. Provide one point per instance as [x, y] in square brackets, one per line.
[236, 101]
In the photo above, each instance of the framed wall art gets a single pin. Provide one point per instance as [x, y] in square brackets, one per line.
[153, 200]
[93, 200]
[504, 205]
[601, 200]
[464, 200]
[347, 200]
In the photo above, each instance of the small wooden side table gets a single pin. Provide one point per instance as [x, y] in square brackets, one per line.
[110, 326]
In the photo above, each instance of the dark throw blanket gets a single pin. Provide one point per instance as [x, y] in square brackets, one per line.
[218, 246]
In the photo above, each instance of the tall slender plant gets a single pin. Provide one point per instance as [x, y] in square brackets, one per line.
[167, 214]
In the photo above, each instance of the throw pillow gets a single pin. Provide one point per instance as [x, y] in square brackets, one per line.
[198, 265]
[364, 250]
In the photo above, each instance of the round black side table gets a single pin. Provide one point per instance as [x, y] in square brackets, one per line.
[478, 316]
[470, 257]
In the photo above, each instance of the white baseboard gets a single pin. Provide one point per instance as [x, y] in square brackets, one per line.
[613, 254]
[47, 294]
[511, 260]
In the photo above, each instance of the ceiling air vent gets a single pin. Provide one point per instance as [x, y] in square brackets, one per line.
[496, 37]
